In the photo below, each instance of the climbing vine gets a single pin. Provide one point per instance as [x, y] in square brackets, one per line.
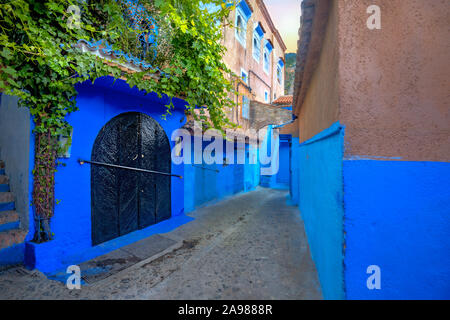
[41, 62]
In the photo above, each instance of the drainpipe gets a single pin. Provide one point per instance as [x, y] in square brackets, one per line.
[271, 70]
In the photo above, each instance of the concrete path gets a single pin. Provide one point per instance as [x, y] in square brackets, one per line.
[251, 246]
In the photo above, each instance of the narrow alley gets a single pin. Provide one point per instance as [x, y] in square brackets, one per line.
[250, 246]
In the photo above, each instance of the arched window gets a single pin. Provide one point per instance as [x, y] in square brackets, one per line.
[280, 66]
[256, 48]
[243, 14]
[268, 47]
[266, 61]
[258, 34]
[240, 27]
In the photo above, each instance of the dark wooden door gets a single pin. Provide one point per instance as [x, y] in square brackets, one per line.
[125, 200]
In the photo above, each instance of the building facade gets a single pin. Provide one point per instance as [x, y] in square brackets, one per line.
[371, 152]
[256, 53]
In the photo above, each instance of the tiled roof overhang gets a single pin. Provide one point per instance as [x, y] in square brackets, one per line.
[283, 100]
[311, 34]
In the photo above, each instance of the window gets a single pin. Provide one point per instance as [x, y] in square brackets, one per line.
[241, 28]
[243, 14]
[266, 58]
[279, 74]
[256, 48]
[245, 107]
[258, 34]
[244, 76]
[266, 96]
[280, 66]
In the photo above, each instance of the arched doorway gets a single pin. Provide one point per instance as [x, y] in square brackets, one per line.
[124, 200]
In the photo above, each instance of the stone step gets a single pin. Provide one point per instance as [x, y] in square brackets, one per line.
[4, 180]
[9, 220]
[7, 201]
[6, 197]
[11, 237]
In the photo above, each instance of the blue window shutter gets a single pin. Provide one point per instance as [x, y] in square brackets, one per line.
[245, 8]
[259, 31]
[268, 45]
[245, 107]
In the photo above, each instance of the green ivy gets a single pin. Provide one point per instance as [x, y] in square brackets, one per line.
[40, 64]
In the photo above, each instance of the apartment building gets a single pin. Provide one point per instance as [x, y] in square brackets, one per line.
[255, 52]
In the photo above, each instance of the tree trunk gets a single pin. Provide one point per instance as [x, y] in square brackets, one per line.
[44, 184]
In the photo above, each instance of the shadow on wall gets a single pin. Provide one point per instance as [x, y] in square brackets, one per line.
[15, 134]
[204, 183]
[321, 206]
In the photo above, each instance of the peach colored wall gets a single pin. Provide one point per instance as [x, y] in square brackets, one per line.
[394, 88]
[238, 57]
[320, 108]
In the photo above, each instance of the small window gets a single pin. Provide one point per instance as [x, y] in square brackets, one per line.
[279, 74]
[256, 48]
[268, 47]
[266, 96]
[244, 76]
[241, 28]
[258, 35]
[245, 107]
[280, 67]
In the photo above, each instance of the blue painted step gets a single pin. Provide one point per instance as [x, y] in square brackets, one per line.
[4, 187]
[10, 226]
[7, 206]
[6, 201]
[2, 172]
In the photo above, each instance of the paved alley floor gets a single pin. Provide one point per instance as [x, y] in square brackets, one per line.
[250, 246]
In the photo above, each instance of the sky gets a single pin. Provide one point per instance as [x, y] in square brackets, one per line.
[286, 17]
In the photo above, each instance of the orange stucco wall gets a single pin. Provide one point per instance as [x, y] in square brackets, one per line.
[320, 108]
[394, 82]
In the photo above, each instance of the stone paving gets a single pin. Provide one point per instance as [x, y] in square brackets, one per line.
[250, 246]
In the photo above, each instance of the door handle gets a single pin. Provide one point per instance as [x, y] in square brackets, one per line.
[81, 162]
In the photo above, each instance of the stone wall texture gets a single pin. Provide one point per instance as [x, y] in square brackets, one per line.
[394, 82]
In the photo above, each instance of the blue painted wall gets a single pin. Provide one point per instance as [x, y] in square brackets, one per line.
[279, 179]
[321, 206]
[397, 217]
[71, 224]
[204, 183]
[295, 171]
[283, 175]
